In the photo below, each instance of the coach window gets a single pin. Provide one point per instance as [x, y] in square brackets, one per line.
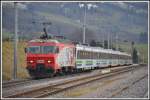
[85, 54]
[81, 54]
[100, 55]
[90, 55]
[94, 55]
[112, 56]
[107, 56]
[97, 55]
[104, 56]
[78, 54]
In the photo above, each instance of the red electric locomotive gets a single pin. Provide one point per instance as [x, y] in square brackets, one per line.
[47, 57]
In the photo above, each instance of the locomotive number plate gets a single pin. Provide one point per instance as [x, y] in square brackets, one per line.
[40, 61]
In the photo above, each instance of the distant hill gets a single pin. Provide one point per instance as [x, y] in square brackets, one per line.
[127, 20]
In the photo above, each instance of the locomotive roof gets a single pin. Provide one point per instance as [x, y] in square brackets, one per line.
[52, 40]
[99, 49]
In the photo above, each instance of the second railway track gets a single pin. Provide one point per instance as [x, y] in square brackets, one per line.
[52, 89]
[14, 83]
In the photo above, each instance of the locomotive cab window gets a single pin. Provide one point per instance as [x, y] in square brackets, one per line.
[50, 49]
[33, 49]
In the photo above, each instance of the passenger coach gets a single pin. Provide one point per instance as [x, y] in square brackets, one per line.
[94, 57]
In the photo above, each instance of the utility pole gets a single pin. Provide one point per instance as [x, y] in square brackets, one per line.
[143, 58]
[85, 5]
[103, 40]
[15, 42]
[84, 25]
[117, 42]
[132, 47]
[108, 41]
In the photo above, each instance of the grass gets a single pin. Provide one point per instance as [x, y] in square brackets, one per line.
[141, 48]
[143, 51]
[7, 60]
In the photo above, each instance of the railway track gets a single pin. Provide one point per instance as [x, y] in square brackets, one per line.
[52, 89]
[127, 86]
[14, 83]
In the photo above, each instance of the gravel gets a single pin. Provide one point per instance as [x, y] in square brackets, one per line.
[112, 87]
[141, 87]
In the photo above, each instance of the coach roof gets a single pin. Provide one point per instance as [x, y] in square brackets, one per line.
[99, 49]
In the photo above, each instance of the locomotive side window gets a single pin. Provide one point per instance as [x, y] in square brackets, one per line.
[57, 50]
[34, 49]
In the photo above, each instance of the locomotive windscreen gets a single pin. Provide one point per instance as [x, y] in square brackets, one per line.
[48, 49]
[34, 49]
[42, 49]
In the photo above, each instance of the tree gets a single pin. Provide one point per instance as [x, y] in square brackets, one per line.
[113, 47]
[143, 37]
[120, 49]
[99, 44]
[135, 56]
[105, 44]
[93, 43]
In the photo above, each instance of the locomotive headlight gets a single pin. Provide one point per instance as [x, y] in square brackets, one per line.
[49, 61]
[31, 61]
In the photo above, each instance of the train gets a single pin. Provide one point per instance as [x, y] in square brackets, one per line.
[48, 57]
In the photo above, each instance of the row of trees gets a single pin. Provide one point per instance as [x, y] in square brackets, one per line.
[104, 45]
